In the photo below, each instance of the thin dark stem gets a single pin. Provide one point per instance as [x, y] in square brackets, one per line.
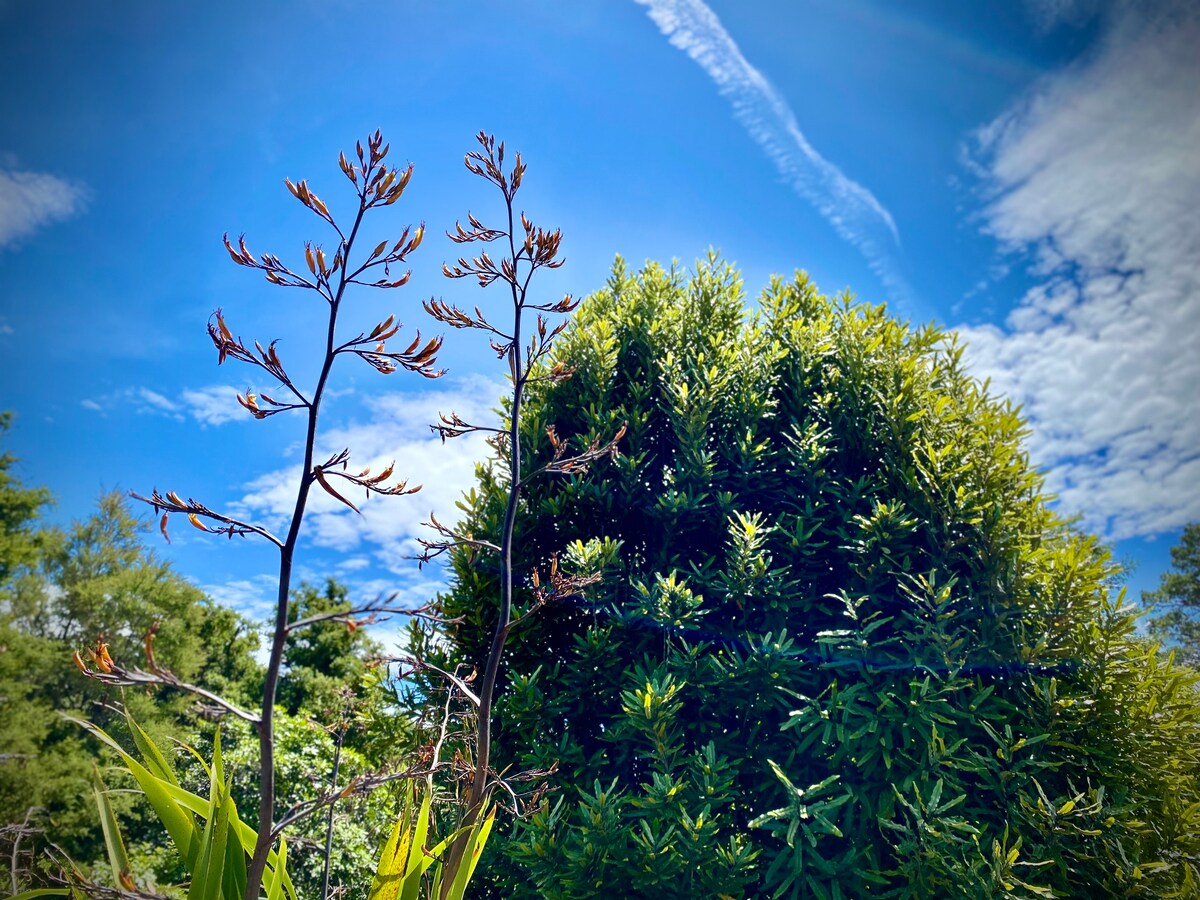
[382, 607]
[266, 725]
[333, 780]
[16, 848]
[487, 690]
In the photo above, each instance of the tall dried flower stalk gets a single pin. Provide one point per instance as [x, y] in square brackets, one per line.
[529, 249]
[329, 276]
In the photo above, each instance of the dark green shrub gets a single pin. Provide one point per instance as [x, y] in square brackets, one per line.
[842, 647]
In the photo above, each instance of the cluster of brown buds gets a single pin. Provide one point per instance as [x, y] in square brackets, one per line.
[97, 663]
[414, 358]
[558, 586]
[328, 274]
[383, 186]
[379, 186]
[196, 512]
[98, 656]
[376, 185]
[372, 484]
[562, 464]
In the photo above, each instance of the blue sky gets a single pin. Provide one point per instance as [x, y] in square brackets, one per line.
[1025, 172]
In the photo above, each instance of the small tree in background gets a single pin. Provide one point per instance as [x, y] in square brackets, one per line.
[1176, 603]
[61, 588]
[842, 648]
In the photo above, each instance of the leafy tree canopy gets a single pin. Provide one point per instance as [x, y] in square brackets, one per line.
[19, 508]
[323, 658]
[61, 589]
[842, 647]
[1178, 599]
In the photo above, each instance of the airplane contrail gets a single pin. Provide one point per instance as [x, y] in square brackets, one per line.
[853, 211]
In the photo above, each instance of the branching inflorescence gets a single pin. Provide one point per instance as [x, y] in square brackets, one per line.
[376, 185]
[529, 249]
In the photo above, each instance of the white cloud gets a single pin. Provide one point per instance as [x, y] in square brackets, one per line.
[254, 597]
[1096, 174]
[397, 431]
[143, 400]
[153, 400]
[214, 405]
[853, 211]
[377, 546]
[31, 200]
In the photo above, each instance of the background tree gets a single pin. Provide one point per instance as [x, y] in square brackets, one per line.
[19, 509]
[60, 591]
[1178, 600]
[321, 660]
[62, 588]
[843, 647]
[97, 578]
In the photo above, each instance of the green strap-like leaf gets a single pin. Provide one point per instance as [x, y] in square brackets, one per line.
[273, 880]
[198, 890]
[416, 862]
[475, 845]
[175, 818]
[154, 759]
[236, 853]
[118, 860]
[175, 805]
[215, 882]
[393, 860]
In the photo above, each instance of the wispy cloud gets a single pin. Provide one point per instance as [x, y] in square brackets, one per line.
[215, 404]
[1051, 13]
[31, 200]
[253, 597]
[853, 211]
[1096, 176]
[154, 401]
[143, 400]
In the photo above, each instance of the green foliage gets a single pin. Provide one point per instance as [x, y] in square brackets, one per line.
[322, 659]
[209, 837]
[1178, 600]
[19, 508]
[842, 648]
[63, 589]
[410, 860]
[60, 591]
[304, 757]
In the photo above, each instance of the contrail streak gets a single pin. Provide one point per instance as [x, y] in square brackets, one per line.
[853, 211]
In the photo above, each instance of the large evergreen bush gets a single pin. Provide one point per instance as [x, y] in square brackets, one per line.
[842, 648]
